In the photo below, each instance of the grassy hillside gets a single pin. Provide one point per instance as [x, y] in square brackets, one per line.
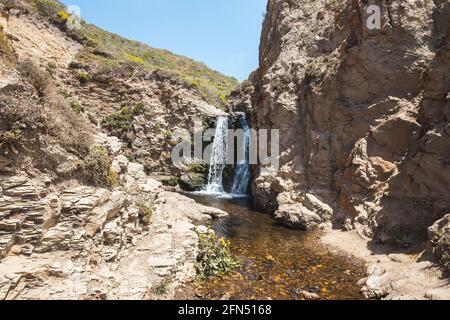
[113, 50]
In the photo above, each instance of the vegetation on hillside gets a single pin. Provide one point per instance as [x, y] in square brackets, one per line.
[114, 51]
[97, 166]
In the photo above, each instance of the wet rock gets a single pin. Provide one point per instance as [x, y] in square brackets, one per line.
[310, 295]
[192, 181]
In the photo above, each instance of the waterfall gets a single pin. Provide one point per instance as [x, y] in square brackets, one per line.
[241, 179]
[218, 157]
[218, 160]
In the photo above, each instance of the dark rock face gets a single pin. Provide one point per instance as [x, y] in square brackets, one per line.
[193, 181]
[363, 114]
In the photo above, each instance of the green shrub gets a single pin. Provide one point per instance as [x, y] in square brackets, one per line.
[331, 4]
[10, 139]
[4, 46]
[160, 289]
[145, 213]
[83, 77]
[214, 257]
[113, 178]
[92, 119]
[172, 182]
[195, 84]
[39, 79]
[97, 166]
[316, 70]
[197, 168]
[51, 67]
[121, 121]
[47, 8]
[77, 107]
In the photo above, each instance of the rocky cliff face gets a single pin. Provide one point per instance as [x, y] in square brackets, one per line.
[363, 115]
[137, 93]
[81, 126]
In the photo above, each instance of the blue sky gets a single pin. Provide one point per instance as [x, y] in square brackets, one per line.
[224, 34]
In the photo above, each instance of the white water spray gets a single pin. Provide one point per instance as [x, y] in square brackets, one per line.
[242, 173]
[218, 157]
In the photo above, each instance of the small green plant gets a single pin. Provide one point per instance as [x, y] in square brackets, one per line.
[92, 119]
[195, 84]
[223, 99]
[404, 240]
[160, 288]
[51, 67]
[316, 70]
[214, 257]
[97, 166]
[47, 8]
[113, 178]
[77, 107]
[83, 77]
[172, 182]
[122, 120]
[145, 213]
[10, 139]
[4, 47]
[40, 80]
[197, 168]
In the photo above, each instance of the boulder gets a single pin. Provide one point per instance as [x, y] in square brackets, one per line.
[439, 235]
[176, 203]
[297, 216]
[120, 164]
[193, 181]
[305, 212]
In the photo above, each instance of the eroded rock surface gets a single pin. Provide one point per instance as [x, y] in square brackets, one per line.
[363, 115]
[90, 243]
[439, 235]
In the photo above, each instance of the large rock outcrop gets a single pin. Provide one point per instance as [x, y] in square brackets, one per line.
[80, 129]
[363, 114]
[82, 242]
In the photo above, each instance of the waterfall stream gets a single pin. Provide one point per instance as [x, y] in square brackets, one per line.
[218, 160]
[241, 179]
[218, 157]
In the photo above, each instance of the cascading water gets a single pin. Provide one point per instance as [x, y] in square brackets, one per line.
[241, 179]
[218, 157]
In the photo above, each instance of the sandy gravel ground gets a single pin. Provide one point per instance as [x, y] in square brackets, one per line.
[392, 273]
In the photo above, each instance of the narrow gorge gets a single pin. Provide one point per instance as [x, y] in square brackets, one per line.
[93, 207]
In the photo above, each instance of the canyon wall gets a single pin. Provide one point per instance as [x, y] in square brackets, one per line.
[363, 115]
[83, 121]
